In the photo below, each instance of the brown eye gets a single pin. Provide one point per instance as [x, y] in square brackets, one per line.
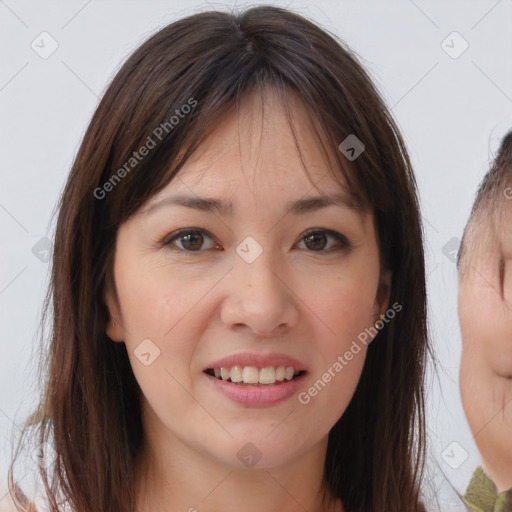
[191, 240]
[318, 240]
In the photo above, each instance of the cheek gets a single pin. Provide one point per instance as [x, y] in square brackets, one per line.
[345, 304]
[345, 301]
[479, 324]
[487, 402]
[486, 394]
[327, 394]
[472, 386]
[154, 299]
[162, 307]
[486, 329]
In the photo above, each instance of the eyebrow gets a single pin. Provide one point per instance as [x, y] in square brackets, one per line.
[211, 205]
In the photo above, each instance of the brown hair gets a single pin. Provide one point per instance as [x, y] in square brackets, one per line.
[494, 190]
[90, 406]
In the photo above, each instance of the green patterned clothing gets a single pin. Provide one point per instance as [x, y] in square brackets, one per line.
[482, 495]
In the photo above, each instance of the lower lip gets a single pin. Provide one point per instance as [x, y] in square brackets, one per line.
[257, 396]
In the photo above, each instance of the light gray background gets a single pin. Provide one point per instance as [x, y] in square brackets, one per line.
[452, 113]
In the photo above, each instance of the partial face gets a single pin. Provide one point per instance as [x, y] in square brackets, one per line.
[264, 284]
[485, 314]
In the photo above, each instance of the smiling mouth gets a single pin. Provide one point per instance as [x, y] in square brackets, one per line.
[296, 375]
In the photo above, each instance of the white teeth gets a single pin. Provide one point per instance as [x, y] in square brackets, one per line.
[250, 375]
[253, 375]
[280, 373]
[267, 375]
[236, 374]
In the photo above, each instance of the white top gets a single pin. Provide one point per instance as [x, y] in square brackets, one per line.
[6, 503]
[39, 500]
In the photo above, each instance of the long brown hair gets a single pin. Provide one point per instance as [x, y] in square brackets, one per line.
[90, 406]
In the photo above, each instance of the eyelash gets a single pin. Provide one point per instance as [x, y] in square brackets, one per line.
[168, 240]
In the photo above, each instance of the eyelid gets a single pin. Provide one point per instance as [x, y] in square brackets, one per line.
[168, 240]
[338, 236]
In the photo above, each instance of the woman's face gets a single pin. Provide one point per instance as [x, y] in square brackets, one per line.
[485, 314]
[197, 284]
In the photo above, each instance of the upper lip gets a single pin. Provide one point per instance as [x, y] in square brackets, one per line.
[257, 360]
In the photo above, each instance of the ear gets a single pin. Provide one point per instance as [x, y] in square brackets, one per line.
[114, 328]
[383, 295]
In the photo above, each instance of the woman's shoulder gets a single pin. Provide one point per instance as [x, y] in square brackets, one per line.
[35, 500]
[7, 503]
[28, 501]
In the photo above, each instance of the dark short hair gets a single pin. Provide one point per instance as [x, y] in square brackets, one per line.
[494, 190]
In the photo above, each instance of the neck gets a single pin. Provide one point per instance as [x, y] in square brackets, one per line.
[192, 482]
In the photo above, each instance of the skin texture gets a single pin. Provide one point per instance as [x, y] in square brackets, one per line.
[199, 308]
[485, 315]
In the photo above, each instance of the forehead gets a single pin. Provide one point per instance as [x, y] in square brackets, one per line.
[270, 144]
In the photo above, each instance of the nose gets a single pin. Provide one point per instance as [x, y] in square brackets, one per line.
[259, 298]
